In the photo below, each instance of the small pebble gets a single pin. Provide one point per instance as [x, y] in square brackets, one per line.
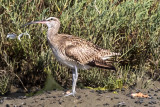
[137, 91]
[48, 97]
[53, 102]
[152, 102]
[116, 98]
[156, 91]
[141, 98]
[139, 102]
[48, 92]
[7, 105]
[54, 96]
[98, 99]
[78, 97]
[86, 95]
[150, 97]
[1, 101]
[60, 102]
[60, 96]
[22, 97]
[146, 105]
[42, 98]
[106, 104]
[121, 104]
[158, 98]
[23, 103]
[151, 90]
[99, 91]
[79, 102]
[155, 94]
[92, 91]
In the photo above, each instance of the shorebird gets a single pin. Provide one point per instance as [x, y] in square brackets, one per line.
[75, 52]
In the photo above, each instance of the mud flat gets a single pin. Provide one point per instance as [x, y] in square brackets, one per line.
[86, 98]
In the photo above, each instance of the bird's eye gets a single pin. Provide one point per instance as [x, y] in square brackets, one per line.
[51, 18]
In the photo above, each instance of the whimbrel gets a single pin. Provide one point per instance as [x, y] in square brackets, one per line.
[75, 52]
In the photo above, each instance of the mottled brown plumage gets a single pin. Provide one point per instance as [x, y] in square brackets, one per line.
[81, 52]
[75, 52]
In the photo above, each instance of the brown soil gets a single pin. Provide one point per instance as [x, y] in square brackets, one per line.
[86, 98]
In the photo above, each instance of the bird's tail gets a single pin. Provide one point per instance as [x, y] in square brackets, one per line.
[110, 55]
[107, 60]
[102, 64]
[105, 65]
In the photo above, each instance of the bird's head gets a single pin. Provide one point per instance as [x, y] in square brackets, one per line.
[51, 22]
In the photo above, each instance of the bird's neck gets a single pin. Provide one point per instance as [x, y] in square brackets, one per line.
[52, 32]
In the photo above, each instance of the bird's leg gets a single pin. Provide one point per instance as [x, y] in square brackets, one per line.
[74, 81]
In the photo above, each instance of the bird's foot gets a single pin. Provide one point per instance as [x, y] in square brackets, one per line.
[69, 94]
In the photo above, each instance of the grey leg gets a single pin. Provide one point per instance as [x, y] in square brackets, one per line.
[75, 77]
[74, 81]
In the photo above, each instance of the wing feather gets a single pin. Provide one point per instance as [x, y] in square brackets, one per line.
[81, 52]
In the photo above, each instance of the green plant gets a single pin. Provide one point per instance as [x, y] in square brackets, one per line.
[130, 27]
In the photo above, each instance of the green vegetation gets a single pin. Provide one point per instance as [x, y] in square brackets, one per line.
[131, 27]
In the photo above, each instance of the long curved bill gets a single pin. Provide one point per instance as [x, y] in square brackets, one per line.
[42, 22]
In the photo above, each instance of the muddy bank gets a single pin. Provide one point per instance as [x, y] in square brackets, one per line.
[86, 98]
